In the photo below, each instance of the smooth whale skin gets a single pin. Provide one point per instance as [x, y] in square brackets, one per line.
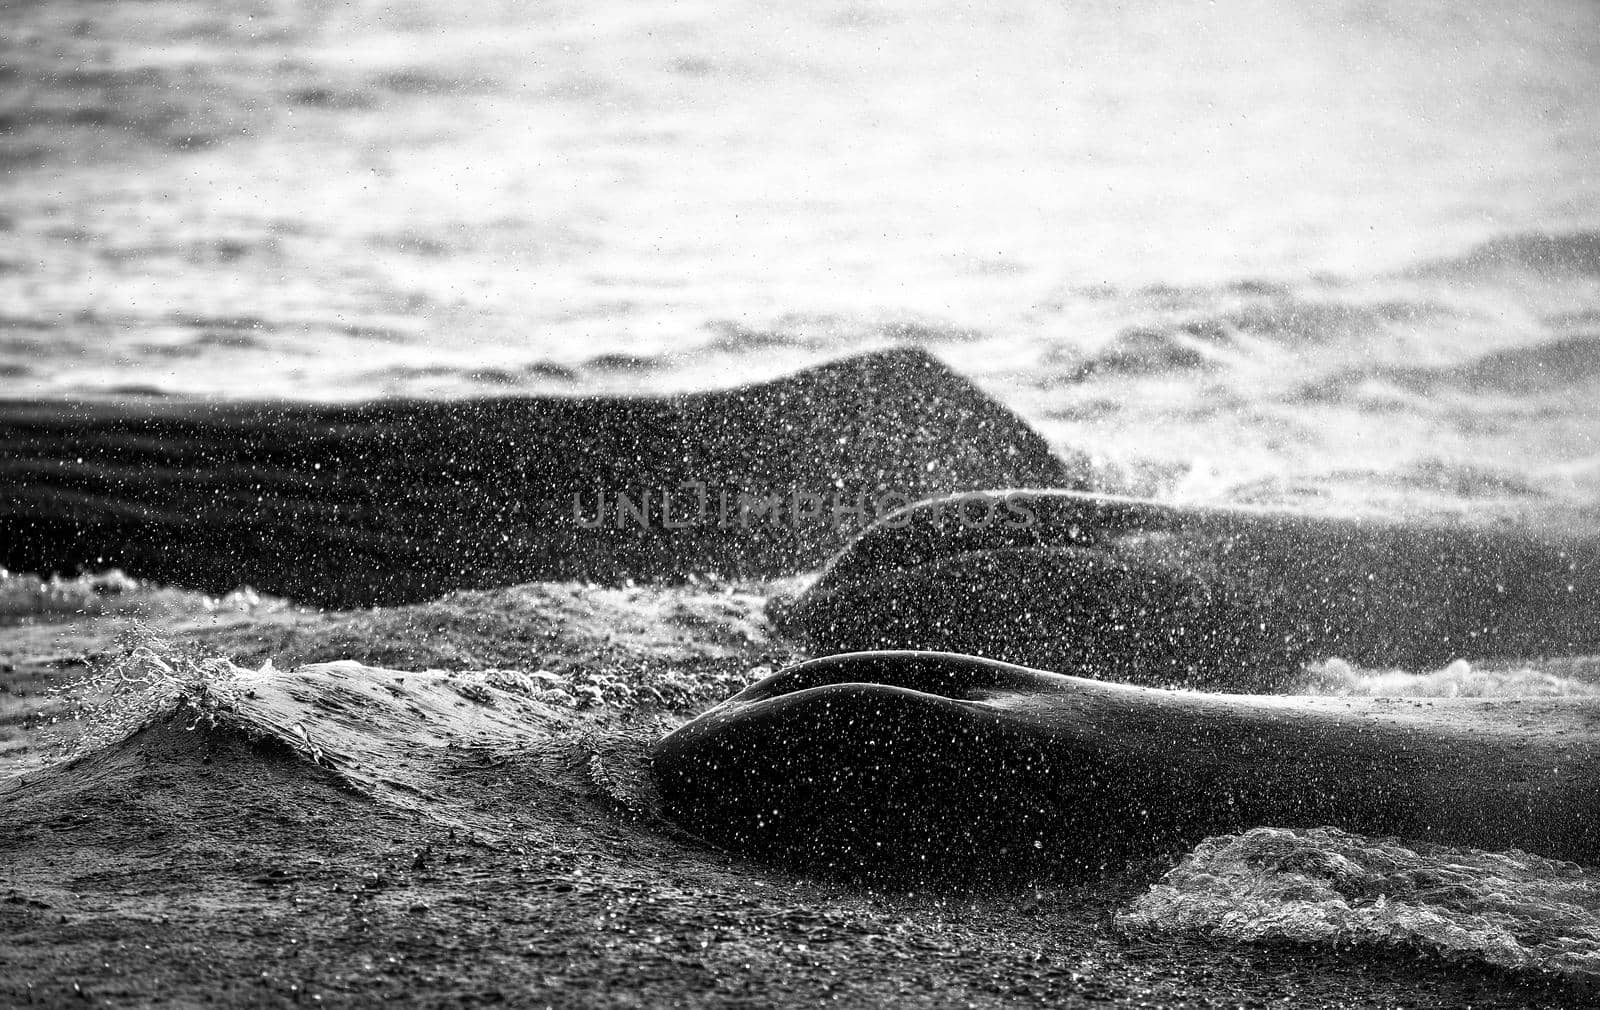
[1222, 598]
[399, 501]
[918, 766]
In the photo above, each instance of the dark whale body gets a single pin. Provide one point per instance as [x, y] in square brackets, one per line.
[1230, 599]
[399, 501]
[912, 766]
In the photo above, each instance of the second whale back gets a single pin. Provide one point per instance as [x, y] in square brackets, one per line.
[1234, 599]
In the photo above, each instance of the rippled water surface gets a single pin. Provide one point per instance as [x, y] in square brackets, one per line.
[1339, 254]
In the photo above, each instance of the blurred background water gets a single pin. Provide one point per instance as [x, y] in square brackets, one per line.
[1341, 254]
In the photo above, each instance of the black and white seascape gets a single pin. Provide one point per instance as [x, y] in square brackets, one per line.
[859, 504]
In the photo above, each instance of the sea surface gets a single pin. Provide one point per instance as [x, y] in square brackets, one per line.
[1340, 255]
[1344, 255]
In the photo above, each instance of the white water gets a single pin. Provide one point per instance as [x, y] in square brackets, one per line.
[1323, 886]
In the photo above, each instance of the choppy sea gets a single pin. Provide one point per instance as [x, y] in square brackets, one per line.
[1345, 254]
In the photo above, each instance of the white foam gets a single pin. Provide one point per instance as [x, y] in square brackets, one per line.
[1338, 678]
[115, 592]
[1324, 886]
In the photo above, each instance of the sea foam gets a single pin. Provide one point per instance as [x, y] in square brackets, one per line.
[1322, 886]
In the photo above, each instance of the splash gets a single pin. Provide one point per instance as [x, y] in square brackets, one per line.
[385, 733]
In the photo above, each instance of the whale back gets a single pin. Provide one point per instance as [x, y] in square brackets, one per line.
[914, 767]
[1219, 598]
[397, 501]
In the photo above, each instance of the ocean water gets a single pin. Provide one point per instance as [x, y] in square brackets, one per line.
[1343, 255]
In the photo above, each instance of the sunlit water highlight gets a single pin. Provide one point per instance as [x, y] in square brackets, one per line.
[1227, 248]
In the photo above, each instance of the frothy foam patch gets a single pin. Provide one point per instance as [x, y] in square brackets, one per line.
[1324, 886]
[1458, 680]
[23, 597]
